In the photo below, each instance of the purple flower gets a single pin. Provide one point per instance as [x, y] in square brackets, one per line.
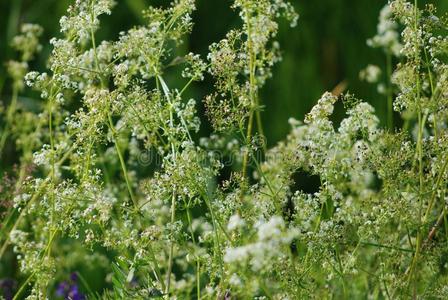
[70, 290]
[7, 287]
[74, 277]
[74, 293]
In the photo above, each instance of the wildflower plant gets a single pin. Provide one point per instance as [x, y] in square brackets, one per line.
[376, 227]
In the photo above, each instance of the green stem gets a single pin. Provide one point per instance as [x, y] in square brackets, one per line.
[252, 96]
[215, 219]
[20, 217]
[198, 273]
[156, 266]
[170, 259]
[247, 150]
[431, 83]
[9, 117]
[53, 167]
[22, 287]
[419, 151]
[122, 163]
[46, 250]
[92, 36]
[438, 183]
[390, 111]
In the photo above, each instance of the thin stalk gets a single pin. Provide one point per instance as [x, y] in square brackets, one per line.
[92, 36]
[252, 96]
[439, 221]
[9, 115]
[186, 86]
[33, 198]
[431, 84]
[390, 109]
[122, 163]
[387, 247]
[198, 273]
[53, 167]
[217, 244]
[189, 83]
[170, 259]
[16, 224]
[248, 138]
[84, 282]
[386, 289]
[156, 266]
[445, 222]
[17, 186]
[109, 118]
[274, 194]
[419, 150]
[216, 223]
[341, 272]
[260, 126]
[438, 183]
[215, 219]
[86, 69]
[46, 250]
[22, 287]
[173, 198]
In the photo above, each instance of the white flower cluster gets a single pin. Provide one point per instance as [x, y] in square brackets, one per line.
[387, 37]
[235, 222]
[272, 238]
[196, 67]
[17, 71]
[322, 109]
[28, 41]
[82, 19]
[370, 74]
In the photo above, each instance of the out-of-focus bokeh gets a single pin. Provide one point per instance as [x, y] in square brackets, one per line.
[327, 47]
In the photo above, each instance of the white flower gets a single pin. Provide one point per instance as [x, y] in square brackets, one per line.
[370, 74]
[235, 222]
[387, 36]
[322, 109]
[271, 229]
[235, 280]
[236, 254]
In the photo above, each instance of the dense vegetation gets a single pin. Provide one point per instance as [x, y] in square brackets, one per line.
[113, 176]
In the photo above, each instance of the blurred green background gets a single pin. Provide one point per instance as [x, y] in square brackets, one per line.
[328, 46]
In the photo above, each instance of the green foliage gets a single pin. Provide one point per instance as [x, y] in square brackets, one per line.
[114, 176]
